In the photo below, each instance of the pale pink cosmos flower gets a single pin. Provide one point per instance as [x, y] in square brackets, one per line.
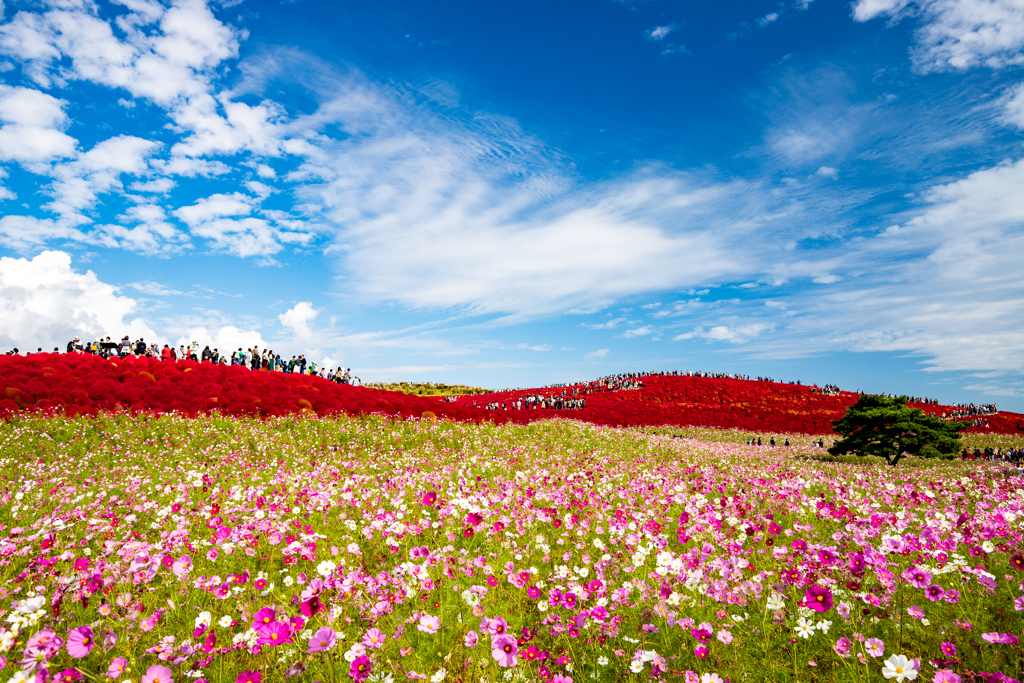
[504, 650]
[324, 639]
[374, 638]
[117, 667]
[429, 624]
[80, 642]
[724, 636]
[471, 639]
[946, 676]
[915, 612]
[711, 678]
[157, 674]
[874, 647]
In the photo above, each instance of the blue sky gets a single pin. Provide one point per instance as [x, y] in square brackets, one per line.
[517, 194]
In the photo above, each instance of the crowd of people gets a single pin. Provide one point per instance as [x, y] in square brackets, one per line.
[960, 411]
[1013, 456]
[537, 402]
[250, 358]
[827, 390]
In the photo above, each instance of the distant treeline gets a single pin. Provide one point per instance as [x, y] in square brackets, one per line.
[429, 388]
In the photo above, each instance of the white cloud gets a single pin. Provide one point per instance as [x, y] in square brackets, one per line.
[606, 325]
[659, 32]
[958, 34]
[828, 172]
[737, 334]
[32, 126]
[600, 353]
[1013, 106]
[77, 184]
[535, 347]
[299, 319]
[158, 185]
[638, 332]
[769, 18]
[154, 288]
[44, 303]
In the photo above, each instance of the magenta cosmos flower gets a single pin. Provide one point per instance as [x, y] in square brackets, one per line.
[263, 617]
[818, 598]
[361, 668]
[68, 675]
[917, 577]
[249, 677]
[80, 642]
[157, 674]
[429, 498]
[504, 650]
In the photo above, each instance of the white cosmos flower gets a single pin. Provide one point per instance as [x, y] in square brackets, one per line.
[804, 628]
[900, 668]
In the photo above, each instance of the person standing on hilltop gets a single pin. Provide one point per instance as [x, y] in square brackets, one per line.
[207, 354]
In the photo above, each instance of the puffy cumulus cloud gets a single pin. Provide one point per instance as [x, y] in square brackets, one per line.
[958, 34]
[299, 319]
[44, 303]
[33, 124]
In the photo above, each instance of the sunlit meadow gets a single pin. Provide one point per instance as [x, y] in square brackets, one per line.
[235, 550]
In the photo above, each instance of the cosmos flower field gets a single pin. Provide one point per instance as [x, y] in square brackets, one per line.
[232, 549]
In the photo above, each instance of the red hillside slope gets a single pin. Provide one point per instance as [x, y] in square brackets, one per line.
[83, 384]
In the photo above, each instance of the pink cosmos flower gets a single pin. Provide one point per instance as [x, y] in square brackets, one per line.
[843, 647]
[724, 636]
[471, 639]
[949, 649]
[274, 633]
[917, 577]
[429, 498]
[249, 677]
[263, 617]
[559, 678]
[374, 638]
[934, 592]
[324, 639]
[429, 624]
[46, 641]
[874, 647]
[157, 674]
[691, 677]
[504, 650]
[496, 626]
[915, 612]
[361, 668]
[117, 667]
[946, 676]
[818, 598]
[701, 651]
[80, 642]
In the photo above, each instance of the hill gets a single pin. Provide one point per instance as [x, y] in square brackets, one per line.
[82, 384]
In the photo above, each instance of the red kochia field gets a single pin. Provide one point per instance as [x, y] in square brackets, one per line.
[83, 384]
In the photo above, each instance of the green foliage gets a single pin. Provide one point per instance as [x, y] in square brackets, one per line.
[429, 388]
[888, 428]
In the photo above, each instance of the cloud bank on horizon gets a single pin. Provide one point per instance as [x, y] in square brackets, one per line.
[178, 170]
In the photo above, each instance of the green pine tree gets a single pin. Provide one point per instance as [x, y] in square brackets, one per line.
[889, 428]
